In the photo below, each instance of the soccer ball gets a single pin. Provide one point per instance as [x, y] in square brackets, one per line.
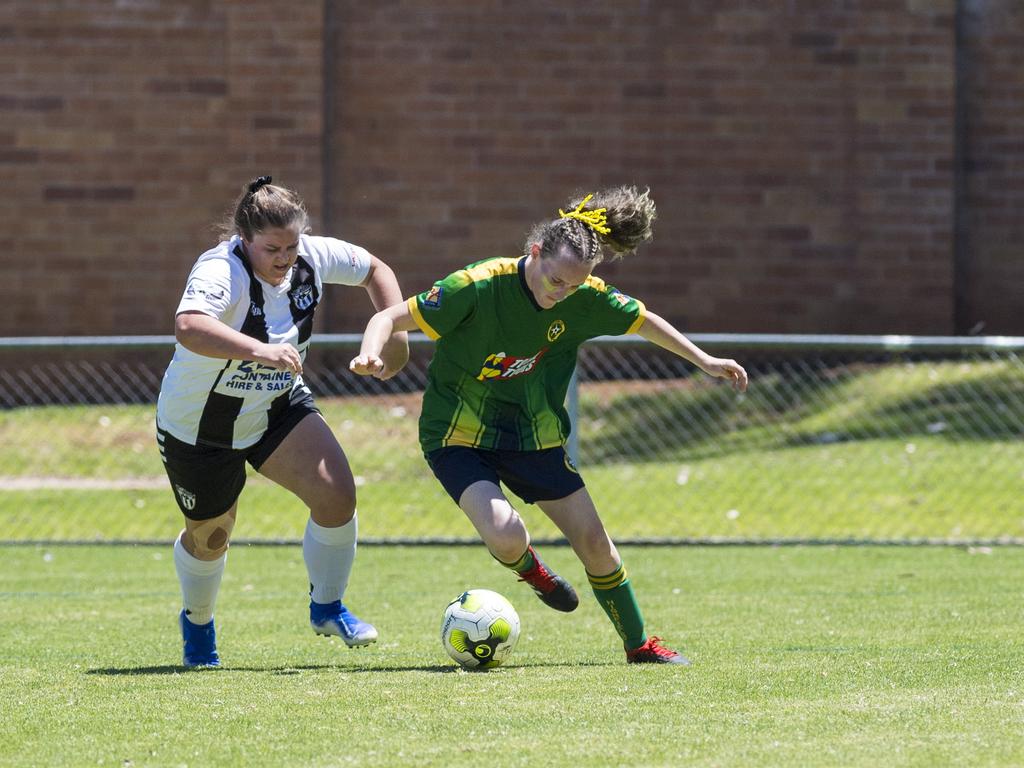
[480, 629]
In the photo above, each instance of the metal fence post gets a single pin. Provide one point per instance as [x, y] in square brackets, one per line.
[572, 404]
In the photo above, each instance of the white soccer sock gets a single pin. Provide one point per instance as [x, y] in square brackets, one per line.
[329, 553]
[200, 582]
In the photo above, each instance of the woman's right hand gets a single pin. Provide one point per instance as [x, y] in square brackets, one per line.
[366, 365]
[281, 357]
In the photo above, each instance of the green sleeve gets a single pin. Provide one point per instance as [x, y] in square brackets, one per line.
[614, 313]
[445, 306]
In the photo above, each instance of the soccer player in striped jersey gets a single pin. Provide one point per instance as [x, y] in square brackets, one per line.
[507, 332]
[233, 393]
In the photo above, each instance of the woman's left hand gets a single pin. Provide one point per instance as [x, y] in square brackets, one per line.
[728, 369]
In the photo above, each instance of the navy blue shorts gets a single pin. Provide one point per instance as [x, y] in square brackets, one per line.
[206, 479]
[531, 475]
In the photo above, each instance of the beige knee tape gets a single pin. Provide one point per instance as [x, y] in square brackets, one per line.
[210, 537]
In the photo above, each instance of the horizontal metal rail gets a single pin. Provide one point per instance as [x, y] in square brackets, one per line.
[772, 340]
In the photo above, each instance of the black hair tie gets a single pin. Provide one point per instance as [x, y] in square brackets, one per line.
[259, 184]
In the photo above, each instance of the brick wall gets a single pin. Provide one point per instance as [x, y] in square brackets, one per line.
[126, 131]
[993, 222]
[801, 153]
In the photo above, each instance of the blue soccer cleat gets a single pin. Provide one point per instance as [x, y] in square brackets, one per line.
[200, 643]
[335, 619]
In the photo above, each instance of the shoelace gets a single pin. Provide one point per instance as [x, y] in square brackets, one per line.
[539, 577]
[654, 645]
[347, 619]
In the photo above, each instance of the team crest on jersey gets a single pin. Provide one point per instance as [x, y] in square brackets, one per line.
[555, 330]
[302, 297]
[433, 297]
[502, 366]
[188, 499]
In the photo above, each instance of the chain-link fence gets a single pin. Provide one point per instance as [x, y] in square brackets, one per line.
[838, 438]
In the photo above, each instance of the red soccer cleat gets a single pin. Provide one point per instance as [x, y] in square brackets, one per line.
[551, 588]
[653, 652]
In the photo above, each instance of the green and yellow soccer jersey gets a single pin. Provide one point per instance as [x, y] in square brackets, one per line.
[502, 364]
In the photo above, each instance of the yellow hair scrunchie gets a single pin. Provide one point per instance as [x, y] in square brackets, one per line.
[596, 219]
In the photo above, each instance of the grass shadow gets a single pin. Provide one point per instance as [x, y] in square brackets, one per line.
[447, 668]
[295, 669]
[177, 669]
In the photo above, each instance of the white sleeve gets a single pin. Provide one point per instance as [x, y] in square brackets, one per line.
[208, 289]
[338, 261]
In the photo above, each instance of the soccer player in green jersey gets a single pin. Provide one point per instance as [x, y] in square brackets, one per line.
[507, 333]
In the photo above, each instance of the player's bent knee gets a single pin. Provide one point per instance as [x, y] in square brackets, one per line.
[210, 538]
[508, 545]
[218, 540]
[513, 531]
[334, 509]
[212, 546]
[203, 551]
[341, 494]
[332, 517]
[345, 504]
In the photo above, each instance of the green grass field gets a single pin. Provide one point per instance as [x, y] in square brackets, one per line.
[803, 656]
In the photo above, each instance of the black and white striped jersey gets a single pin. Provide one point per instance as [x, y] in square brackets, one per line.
[228, 403]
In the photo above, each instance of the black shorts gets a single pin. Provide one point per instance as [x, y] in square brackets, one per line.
[206, 479]
[531, 475]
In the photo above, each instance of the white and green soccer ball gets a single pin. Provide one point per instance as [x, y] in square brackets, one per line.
[480, 629]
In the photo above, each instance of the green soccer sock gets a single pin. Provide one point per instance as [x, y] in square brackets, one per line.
[523, 564]
[615, 594]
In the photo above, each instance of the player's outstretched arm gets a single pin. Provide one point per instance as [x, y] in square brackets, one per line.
[660, 331]
[382, 285]
[371, 360]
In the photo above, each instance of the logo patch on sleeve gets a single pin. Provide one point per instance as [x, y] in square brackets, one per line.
[433, 297]
[197, 288]
[621, 298]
